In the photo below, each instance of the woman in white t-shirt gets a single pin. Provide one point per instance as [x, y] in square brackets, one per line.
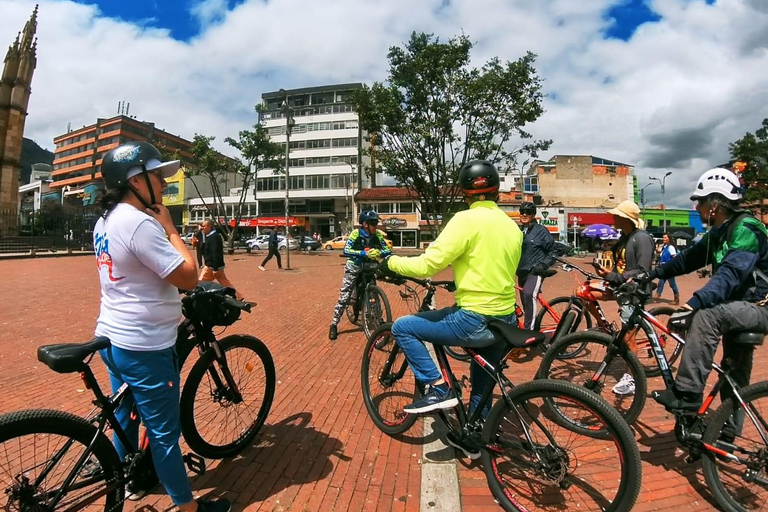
[142, 262]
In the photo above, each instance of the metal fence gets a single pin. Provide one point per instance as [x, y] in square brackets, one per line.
[54, 227]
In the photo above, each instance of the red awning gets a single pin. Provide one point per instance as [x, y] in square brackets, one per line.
[264, 222]
[586, 219]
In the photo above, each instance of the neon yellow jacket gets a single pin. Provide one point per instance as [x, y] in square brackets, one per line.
[484, 246]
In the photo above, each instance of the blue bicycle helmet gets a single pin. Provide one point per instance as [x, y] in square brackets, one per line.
[368, 215]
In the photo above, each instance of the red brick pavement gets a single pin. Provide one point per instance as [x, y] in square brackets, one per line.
[318, 451]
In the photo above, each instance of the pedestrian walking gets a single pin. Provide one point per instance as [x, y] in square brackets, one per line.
[273, 241]
[667, 252]
[198, 240]
[213, 252]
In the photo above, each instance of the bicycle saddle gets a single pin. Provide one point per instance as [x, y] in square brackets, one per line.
[69, 357]
[744, 338]
[512, 334]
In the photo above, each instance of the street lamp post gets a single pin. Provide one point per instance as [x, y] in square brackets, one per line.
[663, 181]
[288, 126]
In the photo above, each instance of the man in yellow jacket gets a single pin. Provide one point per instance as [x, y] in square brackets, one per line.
[484, 246]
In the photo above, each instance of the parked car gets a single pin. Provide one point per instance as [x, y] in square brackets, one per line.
[187, 239]
[262, 242]
[335, 243]
[310, 243]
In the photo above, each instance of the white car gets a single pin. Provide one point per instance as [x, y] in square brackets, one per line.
[262, 242]
[188, 238]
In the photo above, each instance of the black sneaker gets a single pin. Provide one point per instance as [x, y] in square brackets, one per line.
[675, 400]
[220, 505]
[438, 397]
[467, 446]
[333, 333]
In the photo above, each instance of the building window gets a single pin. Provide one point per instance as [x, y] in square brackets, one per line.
[350, 142]
[531, 185]
[406, 208]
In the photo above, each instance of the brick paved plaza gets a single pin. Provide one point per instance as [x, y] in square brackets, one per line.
[318, 451]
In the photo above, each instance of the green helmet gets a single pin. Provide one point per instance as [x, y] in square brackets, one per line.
[117, 162]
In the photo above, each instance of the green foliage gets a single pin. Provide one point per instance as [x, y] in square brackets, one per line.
[752, 149]
[437, 112]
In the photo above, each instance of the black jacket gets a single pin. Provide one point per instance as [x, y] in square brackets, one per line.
[213, 251]
[538, 247]
[273, 240]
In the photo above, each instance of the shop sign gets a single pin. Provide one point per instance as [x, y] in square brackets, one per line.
[394, 222]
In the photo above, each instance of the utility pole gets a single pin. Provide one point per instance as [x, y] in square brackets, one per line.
[663, 181]
[288, 126]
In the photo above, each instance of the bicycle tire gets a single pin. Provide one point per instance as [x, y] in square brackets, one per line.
[549, 490]
[373, 313]
[709, 461]
[17, 425]
[568, 324]
[385, 408]
[457, 353]
[645, 353]
[190, 419]
[581, 369]
[352, 316]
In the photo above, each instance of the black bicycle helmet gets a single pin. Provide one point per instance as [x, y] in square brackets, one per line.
[117, 161]
[479, 177]
[527, 207]
[368, 215]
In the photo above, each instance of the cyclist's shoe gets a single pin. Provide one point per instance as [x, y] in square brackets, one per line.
[220, 505]
[333, 333]
[135, 493]
[469, 447]
[626, 386]
[438, 397]
[675, 400]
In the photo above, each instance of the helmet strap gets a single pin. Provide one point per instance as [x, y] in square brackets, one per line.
[152, 199]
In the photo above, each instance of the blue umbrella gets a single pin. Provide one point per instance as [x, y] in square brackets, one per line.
[599, 231]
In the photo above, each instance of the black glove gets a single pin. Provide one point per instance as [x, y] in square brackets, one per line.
[386, 273]
[681, 319]
[643, 278]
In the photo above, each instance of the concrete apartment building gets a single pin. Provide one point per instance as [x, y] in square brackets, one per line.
[326, 145]
[583, 181]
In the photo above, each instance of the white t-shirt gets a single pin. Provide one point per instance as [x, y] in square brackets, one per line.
[139, 309]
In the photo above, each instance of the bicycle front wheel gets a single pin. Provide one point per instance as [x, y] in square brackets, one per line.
[532, 462]
[376, 310]
[39, 450]
[387, 382]
[738, 486]
[600, 369]
[226, 401]
[353, 308]
[547, 319]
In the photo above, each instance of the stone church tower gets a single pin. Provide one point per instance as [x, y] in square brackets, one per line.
[15, 87]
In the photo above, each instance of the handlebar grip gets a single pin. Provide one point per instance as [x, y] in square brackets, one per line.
[238, 304]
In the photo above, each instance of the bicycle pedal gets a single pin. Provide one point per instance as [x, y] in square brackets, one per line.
[195, 463]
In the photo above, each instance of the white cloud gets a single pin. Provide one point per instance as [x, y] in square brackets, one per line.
[672, 97]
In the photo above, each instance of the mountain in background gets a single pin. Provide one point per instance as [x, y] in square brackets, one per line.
[31, 153]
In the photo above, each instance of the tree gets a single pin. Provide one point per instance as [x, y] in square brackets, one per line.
[752, 150]
[436, 112]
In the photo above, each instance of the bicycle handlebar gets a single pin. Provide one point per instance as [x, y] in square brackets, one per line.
[426, 283]
[567, 265]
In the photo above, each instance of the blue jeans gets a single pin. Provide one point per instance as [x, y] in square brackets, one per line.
[672, 284]
[453, 327]
[153, 378]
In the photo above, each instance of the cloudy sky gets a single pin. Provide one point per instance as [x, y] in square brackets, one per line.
[664, 85]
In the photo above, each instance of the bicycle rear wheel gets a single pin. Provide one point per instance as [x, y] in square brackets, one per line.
[569, 323]
[353, 308]
[218, 421]
[583, 369]
[376, 309]
[388, 384]
[738, 486]
[547, 319]
[29, 441]
[533, 462]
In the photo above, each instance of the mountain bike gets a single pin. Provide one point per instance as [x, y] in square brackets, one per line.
[370, 300]
[578, 315]
[531, 457]
[229, 390]
[54, 460]
[732, 442]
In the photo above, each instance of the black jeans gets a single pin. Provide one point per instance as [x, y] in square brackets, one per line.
[273, 252]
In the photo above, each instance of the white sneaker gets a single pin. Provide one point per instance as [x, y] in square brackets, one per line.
[626, 386]
[262, 268]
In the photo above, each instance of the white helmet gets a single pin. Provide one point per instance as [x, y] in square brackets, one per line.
[718, 181]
